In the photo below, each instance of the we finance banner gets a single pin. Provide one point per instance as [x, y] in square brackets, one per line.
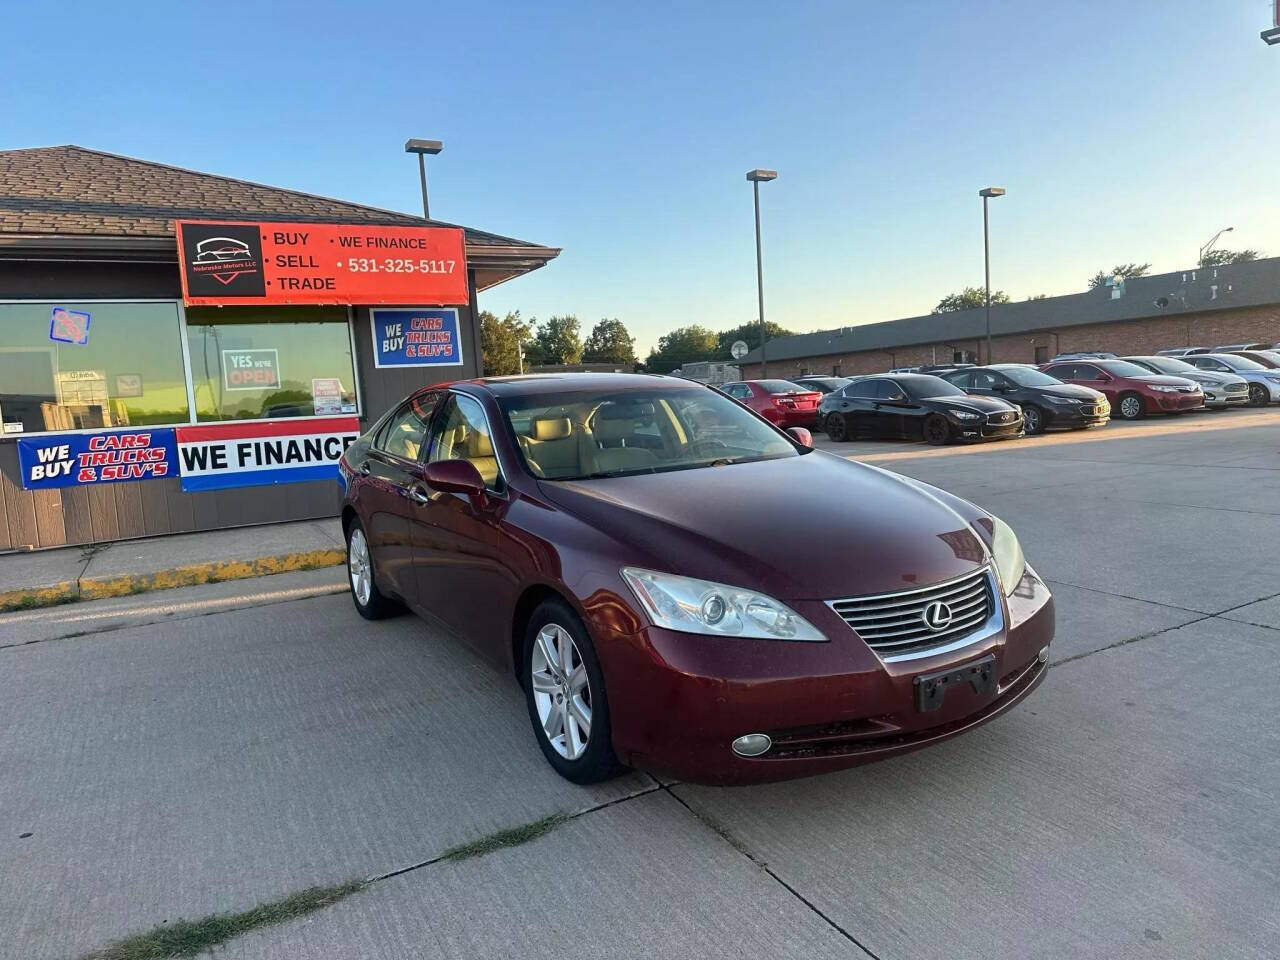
[248, 454]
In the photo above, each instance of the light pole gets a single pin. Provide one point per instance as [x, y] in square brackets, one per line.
[422, 148]
[756, 177]
[1209, 246]
[986, 193]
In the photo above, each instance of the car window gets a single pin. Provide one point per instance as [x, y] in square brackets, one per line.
[405, 430]
[962, 379]
[1086, 371]
[738, 391]
[985, 380]
[461, 432]
[1238, 363]
[888, 390]
[1208, 363]
[862, 389]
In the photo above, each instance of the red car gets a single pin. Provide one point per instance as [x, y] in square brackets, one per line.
[1133, 391]
[781, 402]
[624, 547]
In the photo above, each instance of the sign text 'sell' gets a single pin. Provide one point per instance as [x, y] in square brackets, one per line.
[229, 264]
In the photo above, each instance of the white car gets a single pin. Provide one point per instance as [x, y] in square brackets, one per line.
[1264, 384]
[1220, 389]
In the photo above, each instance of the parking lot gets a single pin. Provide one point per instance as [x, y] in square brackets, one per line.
[211, 749]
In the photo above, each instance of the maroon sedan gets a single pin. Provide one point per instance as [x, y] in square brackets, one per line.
[1133, 391]
[781, 402]
[623, 546]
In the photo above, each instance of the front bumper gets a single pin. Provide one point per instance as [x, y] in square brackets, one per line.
[677, 701]
[1217, 398]
[1079, 415]
[1175, 402]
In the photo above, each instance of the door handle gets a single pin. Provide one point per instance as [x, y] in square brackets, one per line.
[418, 494]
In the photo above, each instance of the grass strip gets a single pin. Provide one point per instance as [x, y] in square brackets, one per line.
[186, 938]
[513, 837]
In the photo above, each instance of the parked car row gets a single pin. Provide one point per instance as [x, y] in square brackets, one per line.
[965, 403]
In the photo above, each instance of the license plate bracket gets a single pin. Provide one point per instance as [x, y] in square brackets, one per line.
[931, 688]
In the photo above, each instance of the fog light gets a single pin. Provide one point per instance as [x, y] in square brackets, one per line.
[752, 745]
[1043, 655]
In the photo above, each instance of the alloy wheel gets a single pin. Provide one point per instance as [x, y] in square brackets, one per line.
[836, 427]
[561, 691]
[936, 430]
[358, 567]
[1131, 408]
[1258, 395]
[1031, 419]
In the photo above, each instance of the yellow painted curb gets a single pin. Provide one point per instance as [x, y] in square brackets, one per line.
[65, 592]
[95, 588]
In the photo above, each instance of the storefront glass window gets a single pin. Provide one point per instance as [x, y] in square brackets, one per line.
[79, 366]
[252, 363]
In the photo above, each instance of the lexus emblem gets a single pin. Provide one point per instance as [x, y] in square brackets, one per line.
[936, 616]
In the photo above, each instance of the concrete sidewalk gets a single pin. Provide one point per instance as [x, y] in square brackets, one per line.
[48, 577]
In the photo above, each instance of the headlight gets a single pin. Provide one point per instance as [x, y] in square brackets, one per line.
[1163, 388]
[965, 415]
[1064, 401]
[700, 606]
[1010, 564]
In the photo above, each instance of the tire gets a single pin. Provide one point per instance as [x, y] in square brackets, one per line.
[1259, 396]
[369, 601]
[557, 709]
[936, 430]
[1131, 407]
[1032, 420]
[836, 428]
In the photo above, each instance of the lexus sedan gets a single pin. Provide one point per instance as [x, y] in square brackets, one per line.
[1045, 401]
[916, 406]
[621, 545]
[1221, 390]
[1132, 391]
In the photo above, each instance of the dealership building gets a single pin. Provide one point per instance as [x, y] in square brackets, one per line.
[181, 351]
[1208, 307]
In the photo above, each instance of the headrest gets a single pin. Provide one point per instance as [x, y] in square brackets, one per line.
[614, 429]
[552, 428]
[479, 444]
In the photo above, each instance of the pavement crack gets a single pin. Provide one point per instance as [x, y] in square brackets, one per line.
[1126, 596]
[763, 867]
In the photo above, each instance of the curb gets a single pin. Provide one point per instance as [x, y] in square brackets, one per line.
[97, 588]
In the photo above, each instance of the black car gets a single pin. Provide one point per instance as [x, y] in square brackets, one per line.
[823, 385]
[1045, 401]
[915, 406]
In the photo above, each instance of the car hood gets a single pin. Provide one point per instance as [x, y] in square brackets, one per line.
[1213, 378]
[814, 526]
[969, 402]
[1161, 379]
[1072, 390]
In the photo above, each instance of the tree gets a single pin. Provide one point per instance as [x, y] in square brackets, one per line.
[500, 341]
[556, 341]
[693, 342]
[610, 343]
[749, 333]
[1125, 271]
[1220, 258]
[968, 299]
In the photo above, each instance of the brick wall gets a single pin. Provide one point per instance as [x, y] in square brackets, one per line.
[1128, 337]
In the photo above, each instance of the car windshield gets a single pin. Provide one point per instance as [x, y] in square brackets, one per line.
[782, 386]
[1169, 365]
[589, 435]
[1122, 368]
[1029, 377]
[926, 387]
[1241, 363]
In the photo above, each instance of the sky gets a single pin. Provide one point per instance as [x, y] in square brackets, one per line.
[1123, 131]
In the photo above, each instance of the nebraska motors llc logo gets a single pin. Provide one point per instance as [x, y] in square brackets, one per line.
[222, 259]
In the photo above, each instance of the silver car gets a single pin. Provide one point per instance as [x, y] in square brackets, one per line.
[1220, 389]
[1264, 384]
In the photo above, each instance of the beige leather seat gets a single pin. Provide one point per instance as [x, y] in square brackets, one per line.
[611, 458]
[553, 450]
[479, 450]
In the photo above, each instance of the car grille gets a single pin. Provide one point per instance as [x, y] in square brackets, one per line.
[1237, 388]
[894, 623]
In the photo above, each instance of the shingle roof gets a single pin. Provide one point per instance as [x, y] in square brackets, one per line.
[70, 190]
[1186, 291]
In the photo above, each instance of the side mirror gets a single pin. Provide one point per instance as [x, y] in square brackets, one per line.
[801, 436]
[456, 476]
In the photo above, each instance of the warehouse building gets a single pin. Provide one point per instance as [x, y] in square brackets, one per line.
[181, 351]
[1207, 307]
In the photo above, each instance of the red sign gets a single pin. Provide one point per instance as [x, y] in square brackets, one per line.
[231, 264]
